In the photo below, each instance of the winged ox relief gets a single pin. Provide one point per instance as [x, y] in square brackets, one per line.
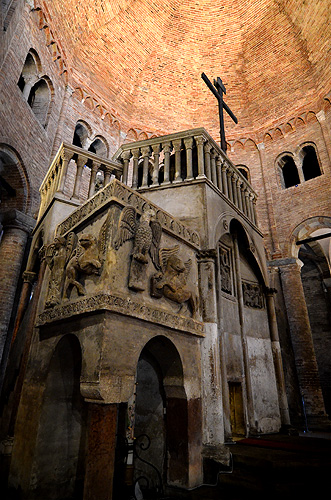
[146, 233]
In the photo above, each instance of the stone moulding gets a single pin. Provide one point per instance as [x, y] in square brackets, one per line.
[116, 191]
[121, 305]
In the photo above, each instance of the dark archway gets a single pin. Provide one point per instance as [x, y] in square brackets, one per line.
[162, 415]
[60, 449]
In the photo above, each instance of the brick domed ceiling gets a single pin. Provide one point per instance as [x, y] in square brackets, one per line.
[144, 58]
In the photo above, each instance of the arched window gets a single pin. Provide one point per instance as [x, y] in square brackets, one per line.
[81, 134]
[39, 100]
[244, 171]
[290, 176]
[99, 147]
[29, 75]
[310, 165]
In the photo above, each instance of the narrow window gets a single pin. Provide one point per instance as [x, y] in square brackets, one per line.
[289, 171]
[39, 100]
[310, 165]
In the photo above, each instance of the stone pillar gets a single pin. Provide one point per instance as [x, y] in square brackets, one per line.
[94, 170]
[16, 228]
[277, 357]
[213, 381]
[215, 169]
[100, 459]
[65, 157]
[177, 144]
[145, 152]
[248, 384]
[224, 179]
[188, 142]
[135, 154]
[107, 175]
[126, 158]
[166, 149]
[302, 342]
[80, 165]
[201, 167]
[156, 151]
[207, 148]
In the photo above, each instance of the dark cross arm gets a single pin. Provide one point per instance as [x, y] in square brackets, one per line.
[218, 96]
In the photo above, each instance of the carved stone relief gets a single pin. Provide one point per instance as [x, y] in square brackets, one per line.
[226, 270]
[146, 233]
[170, 282]
[253, 295]
[72, 258]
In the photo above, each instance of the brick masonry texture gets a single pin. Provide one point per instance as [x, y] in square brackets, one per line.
[132, 70]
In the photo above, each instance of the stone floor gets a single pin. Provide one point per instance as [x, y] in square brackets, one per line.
[273, 467]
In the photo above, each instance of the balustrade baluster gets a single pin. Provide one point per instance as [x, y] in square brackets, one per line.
[166, 148]
[188, 142]
[239, 196]
[229, 183]
[155, 176]
[107, 174]
[145, 152]
[214, 168]
[126, 155]
[80, 162]
[135, 154]
[199, 142]
[254, 210]
[94, 171]
[234, 178]
[224, 179]
[207, 148]
[177, 144]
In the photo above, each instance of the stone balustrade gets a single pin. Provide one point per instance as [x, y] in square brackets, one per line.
[183, 157]
[74, 173]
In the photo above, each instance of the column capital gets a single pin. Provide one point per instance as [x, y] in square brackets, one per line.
[29, 277]
[207, 255]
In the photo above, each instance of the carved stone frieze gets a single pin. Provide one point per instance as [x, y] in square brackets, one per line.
[122, 305]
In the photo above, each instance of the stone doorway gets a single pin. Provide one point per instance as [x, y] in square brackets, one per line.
[237, 415]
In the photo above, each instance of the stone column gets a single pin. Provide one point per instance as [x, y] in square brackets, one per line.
[246, 363]
[166, 149]
[212, 363]
[207, 148]
[80, 165]
[94, 170]
[224, 179]
[156, 151]
[277, 357]
[201, 167]
[302, 342]
[177, 144]
[188, 142]
[145, 152]
[215, 169]
[126, 158]
[100, 459]
[135, 154]
[16, 228]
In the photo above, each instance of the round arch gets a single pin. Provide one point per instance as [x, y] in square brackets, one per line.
[14, 181]
[306, 229]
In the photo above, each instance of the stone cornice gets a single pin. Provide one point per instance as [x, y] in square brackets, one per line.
[121, 305]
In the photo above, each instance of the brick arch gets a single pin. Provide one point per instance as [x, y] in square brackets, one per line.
[304, 230]
[15, 180]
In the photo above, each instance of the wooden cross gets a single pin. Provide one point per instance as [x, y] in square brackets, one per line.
[218, 90]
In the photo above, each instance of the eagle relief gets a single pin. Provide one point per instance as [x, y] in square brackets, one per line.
[146, 234]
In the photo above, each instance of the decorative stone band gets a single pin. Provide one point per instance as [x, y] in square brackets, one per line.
[124, 195]
[121, 305]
